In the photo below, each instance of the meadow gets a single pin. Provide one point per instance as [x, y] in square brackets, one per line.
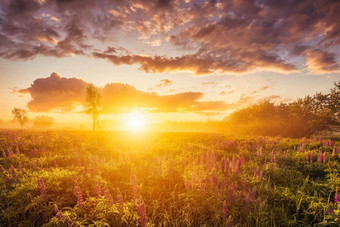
[74, 178]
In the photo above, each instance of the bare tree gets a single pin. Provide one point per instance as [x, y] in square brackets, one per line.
[20, 115]
[93, 103]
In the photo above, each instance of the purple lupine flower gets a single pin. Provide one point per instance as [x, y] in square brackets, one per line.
[134, 187]
[311, 156]
[34, 165]
[257, 172]
[230, 222]
[77, 192]
[84, 174]
[98, 189]
[330, 210]
[107, 195]
[319, 157]
[42, 188]
[120, 201]
[244, 186]
[324, 157]
[222, 182]
[217, 193]
[224, 210]
[246, 204]
[13, 171]
[142, 212]
[8, 179]
[307, 157]
[337, 196]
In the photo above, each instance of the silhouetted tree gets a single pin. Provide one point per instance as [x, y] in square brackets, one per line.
[93, 103]
[303, 117]
[20, 115]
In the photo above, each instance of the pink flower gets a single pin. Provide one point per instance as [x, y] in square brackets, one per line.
[307, 157]
[77, 192]
[311, 156]
[2, 169]
[13, 171]
[108, 196]
[324, 157]
[330, 209]
[142, 212]
[224, 210]
[319, 156]
[120, 201]
[8, 179]
[337, 196]
[42, 188]
[98, 189]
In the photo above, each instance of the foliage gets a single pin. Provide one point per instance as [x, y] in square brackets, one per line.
[93, 103]
[74, 178]
[20, 115]
[303, 117]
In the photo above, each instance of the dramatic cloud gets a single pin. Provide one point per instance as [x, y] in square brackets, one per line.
[65, 94]
[234, 36]
[321, 62]
[55, 92]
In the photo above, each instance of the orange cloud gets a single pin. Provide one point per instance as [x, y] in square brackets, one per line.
[64, 94]
[319, 61]
[55, 92]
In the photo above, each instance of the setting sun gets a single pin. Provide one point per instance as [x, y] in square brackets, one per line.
[136, 121]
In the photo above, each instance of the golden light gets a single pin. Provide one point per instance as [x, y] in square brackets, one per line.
[136, 121]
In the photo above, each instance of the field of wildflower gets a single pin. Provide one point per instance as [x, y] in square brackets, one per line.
[72, 178]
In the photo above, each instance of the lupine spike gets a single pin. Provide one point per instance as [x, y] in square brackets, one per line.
[98, 189]
[77, 192]
[108, 196]
[13, 171]
[120, 201]
[224, 210]
[142, 212]
[42, 188]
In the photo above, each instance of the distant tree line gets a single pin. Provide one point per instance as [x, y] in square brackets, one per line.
[301, 118]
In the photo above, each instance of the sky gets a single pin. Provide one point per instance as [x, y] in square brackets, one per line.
[181, 60]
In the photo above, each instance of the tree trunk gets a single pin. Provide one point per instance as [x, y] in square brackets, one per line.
[94, 124]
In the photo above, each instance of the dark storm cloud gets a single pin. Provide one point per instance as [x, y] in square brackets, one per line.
[64, 94]
[234, 36]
